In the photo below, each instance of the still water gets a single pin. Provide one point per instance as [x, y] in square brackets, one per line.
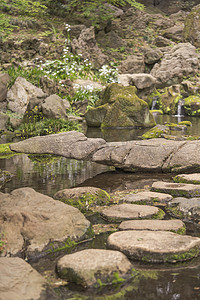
[152, 282]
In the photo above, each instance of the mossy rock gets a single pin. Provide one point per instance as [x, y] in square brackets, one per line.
[187, 123]
[43, 158]
[192, 105]
[156, 132]
[83, 198]
[192, 27]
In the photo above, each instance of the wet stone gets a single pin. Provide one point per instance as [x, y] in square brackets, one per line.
[129, 211]
[147, 197]
[177, 189]
[91, 266]
[188, 178]
[153, 225]
[180, 207]
[155, 246]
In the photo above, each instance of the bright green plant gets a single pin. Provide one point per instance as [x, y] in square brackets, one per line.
[23, 7]
[5, 26]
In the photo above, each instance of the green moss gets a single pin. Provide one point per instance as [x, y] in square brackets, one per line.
[157, 111]
[155, 132]
[187, 123]
[43, 158]
[175, 211]
[192, 105]
[5, 149]
[160, 214]
[180, 179]
[180, 231]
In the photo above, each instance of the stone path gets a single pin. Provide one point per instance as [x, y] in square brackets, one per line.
[188, 178]
[184, 207]
[147, 197]
[177, 189]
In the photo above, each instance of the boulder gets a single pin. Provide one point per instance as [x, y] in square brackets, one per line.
[91, 266]
[181, 207]
[4, 80]
[152, 56]
[129, 211]
[4, 120]
[174, 33]
[120, 107]
[191, 31]
[87, 47]
[160, 41]
[20, 281]
[155, 246]
[69, 144]
[192, 105]
[177, 189]
[156, 132]
[141, 81]
[146, 197]
[20, 93]
[54, 108]
[33, 222]
[75, 31]
[153, 225]
[134, 64]
[83, 197]
[188, 178]
[181, 60]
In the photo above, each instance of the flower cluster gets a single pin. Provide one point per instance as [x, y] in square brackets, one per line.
[108, 74]
[67, 27]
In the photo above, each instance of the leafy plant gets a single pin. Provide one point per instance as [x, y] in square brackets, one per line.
[23, 7]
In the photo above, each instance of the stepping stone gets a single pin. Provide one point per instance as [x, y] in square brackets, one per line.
[180, 207]
[147, 197]
[155, 246]
[188, 178]
[177, 189]
[154, 225]
[88, 267]
[19, 281]
[125, 211]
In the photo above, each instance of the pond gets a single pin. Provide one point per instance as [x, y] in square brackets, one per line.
[50, 174]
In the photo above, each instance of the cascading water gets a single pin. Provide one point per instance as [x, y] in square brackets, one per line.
[154, 103]
[180, 108]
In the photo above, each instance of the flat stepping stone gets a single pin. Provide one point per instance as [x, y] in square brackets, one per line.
[177, 189]
[130, 211]
[20, 281]
[188, 178]
[180, 207]
[147, 197]
[88, 267]
[155, 246]
[154, 225]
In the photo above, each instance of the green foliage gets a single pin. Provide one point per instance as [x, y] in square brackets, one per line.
[5, 26]
[46, 126]
[4, 149]
[23, 7]
[2, 242]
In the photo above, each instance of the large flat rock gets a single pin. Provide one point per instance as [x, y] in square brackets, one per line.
[19, 281]
[177, 189]
[153, 225]
[188, 178]
[184, 207]
[88, 266]
[129, 211]
[155, 246]
[31, 221]
[146, 197]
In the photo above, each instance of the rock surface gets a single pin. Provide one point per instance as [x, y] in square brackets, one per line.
[129, 211]
[4, 80]
[147, 197]
[87, 266]
[183, 207]
[153, 225]
[53, 107]
[188, 178]
[20, 281]
[192, 27]
[31, 221]
[158, 246]
[177, 189]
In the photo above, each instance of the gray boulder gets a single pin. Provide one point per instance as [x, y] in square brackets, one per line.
[20, 281]
[53, 107]
[183, 207]
[141, 80]
[132, 65]
[174, 33]
[20, 93]
[181, 60]
[87, 267]
[4, 120]
[191, 31]
[32, 222]
[160, 41]
[146, 197]
[4, 80]
[151, 56]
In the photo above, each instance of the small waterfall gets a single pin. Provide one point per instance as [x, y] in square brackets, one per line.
[180, 108]
[154, 103]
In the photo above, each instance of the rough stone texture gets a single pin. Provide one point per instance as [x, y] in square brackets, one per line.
[181, 206]
[20, 93]
[132, 65]
[5, 176]
[129, 211]
[77, 83]
[120, 107]
[69, 144]
[160, 41]
[180, 61]
[177, 189]
[86, 46]
[147, 197]
[53, 107]
[141, 81]
[20, 281]
[153, 225]
[151, 56]
[191, 31]
[174, 33]
[154, 246]
[4, 80]
[4, 119]
[31, 221]
[188, 178]
[87, 266]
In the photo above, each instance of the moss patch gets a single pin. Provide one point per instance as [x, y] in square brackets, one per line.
[156, 132]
